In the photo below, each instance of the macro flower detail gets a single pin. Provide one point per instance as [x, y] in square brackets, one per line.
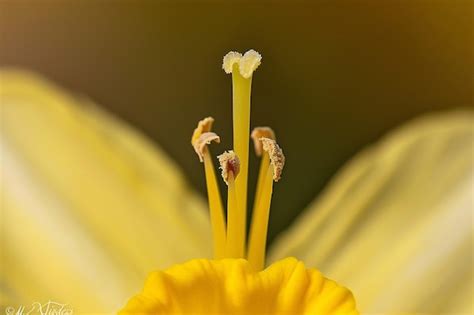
[417, 179]
[236, 281]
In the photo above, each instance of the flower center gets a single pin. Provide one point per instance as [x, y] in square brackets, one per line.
[230, 238]
[230, 284]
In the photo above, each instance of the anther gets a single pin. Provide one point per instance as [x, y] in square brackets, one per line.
[203, 126]
[230, 163]
[261, 132]
[203, 140]
[277, 159]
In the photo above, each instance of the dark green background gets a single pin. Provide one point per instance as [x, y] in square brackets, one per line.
[336, 75]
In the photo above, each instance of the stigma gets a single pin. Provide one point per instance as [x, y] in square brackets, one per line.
[230, 235]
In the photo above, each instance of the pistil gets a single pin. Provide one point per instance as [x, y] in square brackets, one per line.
[242, 68]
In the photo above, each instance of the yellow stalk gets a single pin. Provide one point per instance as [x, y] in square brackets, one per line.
[264, 164]
[233, 247]
[258, 232]
[215, 208]
[241, 119]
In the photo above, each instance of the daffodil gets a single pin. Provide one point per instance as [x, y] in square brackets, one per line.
[90, 206]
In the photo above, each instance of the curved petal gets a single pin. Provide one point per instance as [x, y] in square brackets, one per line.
[229, 286]
[396, 224]
[89, 205]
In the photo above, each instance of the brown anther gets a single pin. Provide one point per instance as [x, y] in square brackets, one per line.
[261, 132]
[203, 140]
[230, 163]
[203, 126]
[277, 159]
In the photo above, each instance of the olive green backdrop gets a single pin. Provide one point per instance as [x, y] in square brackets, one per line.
[336, 75]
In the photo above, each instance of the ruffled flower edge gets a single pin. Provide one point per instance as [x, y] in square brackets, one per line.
[229, 286]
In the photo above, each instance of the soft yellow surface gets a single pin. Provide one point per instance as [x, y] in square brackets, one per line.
[396, 224]
[230, 287]
[89, 206]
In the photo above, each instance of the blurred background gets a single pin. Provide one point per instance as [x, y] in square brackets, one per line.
[336, 75]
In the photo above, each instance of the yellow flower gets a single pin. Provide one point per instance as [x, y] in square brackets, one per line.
[234, 285]
[89, 206]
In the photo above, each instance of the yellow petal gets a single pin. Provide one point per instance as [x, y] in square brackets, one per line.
[395, 225]
[89, 206]
[229, 286]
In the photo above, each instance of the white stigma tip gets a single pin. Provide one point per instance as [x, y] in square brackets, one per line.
[229, 60]
[249, 63]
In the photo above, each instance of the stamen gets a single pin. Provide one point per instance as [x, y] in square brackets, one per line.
[216, 209]
[230, 166]
[242, 68]
[257, 133]
[258, 233]
[201, 137]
